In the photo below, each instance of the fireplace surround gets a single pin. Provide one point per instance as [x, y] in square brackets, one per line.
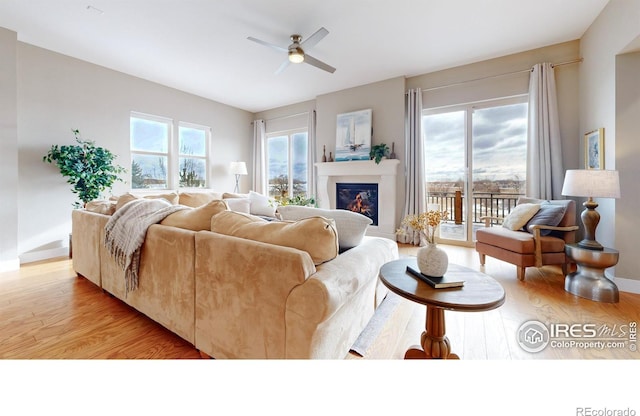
[384, 175]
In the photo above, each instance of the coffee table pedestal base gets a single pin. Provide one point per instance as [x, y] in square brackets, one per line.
[435, 343]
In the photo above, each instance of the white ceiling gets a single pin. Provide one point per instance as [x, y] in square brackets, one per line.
[201, 46]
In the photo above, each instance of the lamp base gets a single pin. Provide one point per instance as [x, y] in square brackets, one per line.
[590, 245]
[590, 219]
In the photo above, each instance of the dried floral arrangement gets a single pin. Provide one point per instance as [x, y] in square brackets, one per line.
[426, 222]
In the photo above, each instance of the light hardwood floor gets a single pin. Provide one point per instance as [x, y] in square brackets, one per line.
[46, 311]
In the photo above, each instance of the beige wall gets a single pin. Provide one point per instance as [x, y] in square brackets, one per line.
[612, 33]
[8, 151]
[386, 99]
[57, 93]
[627, 151]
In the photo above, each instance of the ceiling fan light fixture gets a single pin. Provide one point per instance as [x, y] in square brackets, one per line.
[296, 55]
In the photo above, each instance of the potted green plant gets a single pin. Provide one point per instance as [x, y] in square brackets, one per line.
[88, 168]
[302, 200]
[378, 151]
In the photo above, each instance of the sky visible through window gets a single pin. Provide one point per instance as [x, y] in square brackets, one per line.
[499, 143]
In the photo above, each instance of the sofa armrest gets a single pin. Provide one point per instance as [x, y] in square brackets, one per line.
[241, 293]
[87, 235]
[327, 312]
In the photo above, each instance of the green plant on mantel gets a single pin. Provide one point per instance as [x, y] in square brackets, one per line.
[378, 151]
[88, 168]
[299, 199]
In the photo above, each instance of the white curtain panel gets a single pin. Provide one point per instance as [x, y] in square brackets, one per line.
[311, 158]
[544, 148]
[415, 199]
[259, 175]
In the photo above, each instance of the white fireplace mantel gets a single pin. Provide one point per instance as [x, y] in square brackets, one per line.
[362, 171]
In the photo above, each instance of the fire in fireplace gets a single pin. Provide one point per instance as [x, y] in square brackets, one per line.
[358, 197]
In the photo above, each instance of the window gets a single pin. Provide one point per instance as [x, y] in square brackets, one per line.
[158, 161]
[150, 140]
[192, 156]
[287, 164]
[478, 150]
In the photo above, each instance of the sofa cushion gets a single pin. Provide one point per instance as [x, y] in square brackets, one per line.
[239, 204]
[262, 205]
[196, 219]
[197, 199]
[101, 207]
[518, 241]
[520, 215]
[548, 214]
[316, 235]
[351, 226]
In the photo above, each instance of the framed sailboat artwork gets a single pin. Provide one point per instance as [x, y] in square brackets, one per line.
[353, 135]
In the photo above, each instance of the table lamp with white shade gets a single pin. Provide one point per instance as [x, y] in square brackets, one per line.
[238, 168]
[591, 183]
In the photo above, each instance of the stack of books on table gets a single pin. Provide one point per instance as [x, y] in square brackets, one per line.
[443, 282]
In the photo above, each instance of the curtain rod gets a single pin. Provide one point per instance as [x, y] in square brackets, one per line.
[283, 117]
[575, 61]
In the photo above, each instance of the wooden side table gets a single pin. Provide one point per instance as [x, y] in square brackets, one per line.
[590, 280]
[479, 293]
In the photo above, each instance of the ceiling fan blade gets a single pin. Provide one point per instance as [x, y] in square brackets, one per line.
[318, 64]
[315, 38]
[271, 45]
[282, 67]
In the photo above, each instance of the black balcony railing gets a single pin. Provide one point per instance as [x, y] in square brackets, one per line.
[488, 204]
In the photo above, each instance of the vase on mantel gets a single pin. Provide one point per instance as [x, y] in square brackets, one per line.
[432, 260]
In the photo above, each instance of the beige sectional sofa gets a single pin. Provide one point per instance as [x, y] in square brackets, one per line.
[237, 297]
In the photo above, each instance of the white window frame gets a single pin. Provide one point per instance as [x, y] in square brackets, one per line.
[173, 152]
[206, 157]
[468, 109]
[170, 163]
[289, 133]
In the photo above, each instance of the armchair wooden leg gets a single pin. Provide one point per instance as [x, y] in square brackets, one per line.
[521, 271]
[482, 258]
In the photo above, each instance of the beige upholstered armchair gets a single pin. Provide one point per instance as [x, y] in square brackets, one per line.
[533, 234]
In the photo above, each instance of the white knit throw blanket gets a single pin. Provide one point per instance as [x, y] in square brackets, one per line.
[126, 229]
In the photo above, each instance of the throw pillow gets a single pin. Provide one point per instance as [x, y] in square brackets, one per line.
[549, 214]
[196, 219]
[262, 205]
[101, 207]
[197, 199]
[317, 236]
[239, 204]
[351, 226]
[234, 195]
[123, 199]
[520, 215]
[172, 197]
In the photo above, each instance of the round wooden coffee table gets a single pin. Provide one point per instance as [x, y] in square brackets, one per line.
[479, 293]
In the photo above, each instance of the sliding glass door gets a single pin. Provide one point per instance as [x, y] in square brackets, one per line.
[475, 162]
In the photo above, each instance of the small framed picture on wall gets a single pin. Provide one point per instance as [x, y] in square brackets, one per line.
[594, 149]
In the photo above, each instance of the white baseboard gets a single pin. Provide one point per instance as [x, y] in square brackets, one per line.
[9, 265]
[627, 285]
[51, 253]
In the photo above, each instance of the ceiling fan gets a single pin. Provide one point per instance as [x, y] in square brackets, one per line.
[296, 53]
